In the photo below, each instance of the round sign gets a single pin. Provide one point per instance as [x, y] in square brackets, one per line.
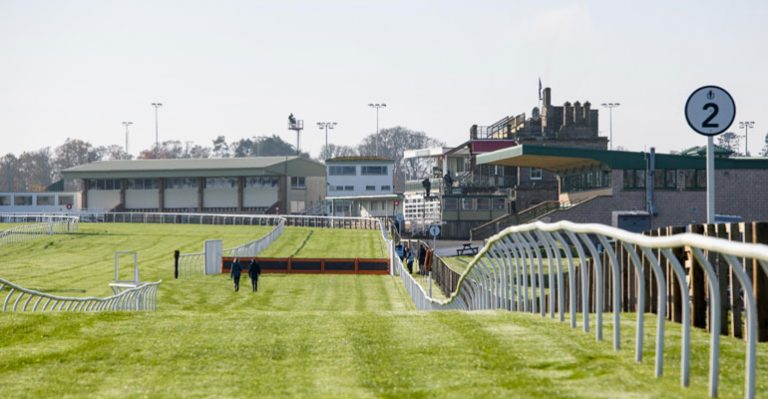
[710, 110]
[434, 230]
[69, 206]
[397, 203]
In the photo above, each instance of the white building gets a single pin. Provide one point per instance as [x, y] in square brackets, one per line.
[361, 186]
[42, 202]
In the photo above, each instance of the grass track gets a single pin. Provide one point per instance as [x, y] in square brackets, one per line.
[315, 336]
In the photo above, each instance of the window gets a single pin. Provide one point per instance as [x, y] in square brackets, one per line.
[342, 170]
[297, 206]
[298, 182]
[261, 182]
[143, 184]
[45, 200]
[483, 204]
[695, 179]
[370, 188]
[66, 199]
[536, 173]
[665, 179]
[221, 182]
[104, 184]
[374, 205]
[181, 182]
[386, 188]
[373, 170]
[451, 204]
[467, 204]
[634, 178]
[499, 204]
[5, 200]
[349, 188]
[22, 200]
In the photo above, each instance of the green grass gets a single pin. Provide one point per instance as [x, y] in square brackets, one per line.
[306, 242]
[310, 336]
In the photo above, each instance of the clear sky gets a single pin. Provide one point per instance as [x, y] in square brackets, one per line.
[238, 68]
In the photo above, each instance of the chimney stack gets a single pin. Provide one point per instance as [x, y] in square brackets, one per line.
[567, 114]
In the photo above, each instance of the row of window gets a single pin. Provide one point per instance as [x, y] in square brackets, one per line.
[666, 179]
[42, 200]
[474, 204]
[591, 180]
[187, 183]
[352, 170]
[352, 188]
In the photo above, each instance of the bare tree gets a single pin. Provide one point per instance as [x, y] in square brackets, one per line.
[392, 143]
[37, 169]
[764, 152]
[334, 151]
[114, 152]
[72, 153]
[729, 140]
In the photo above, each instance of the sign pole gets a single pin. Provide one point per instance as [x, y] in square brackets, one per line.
[710, 180]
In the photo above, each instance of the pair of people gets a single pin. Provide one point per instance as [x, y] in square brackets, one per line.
[254, 271]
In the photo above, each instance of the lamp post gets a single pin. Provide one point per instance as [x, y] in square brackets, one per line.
[326, 126]
[157, 141]
[377, 106]
[610, 107]
[126, 124]
[746, 125]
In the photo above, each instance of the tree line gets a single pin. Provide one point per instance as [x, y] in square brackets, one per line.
[38, 170]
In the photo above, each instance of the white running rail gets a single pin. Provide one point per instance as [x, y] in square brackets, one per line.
[35, 226]
[508, 273]
[19, 299]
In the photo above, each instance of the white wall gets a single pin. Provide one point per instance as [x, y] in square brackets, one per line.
[35, 207]
[103, 199]
[220, 198]
[141, 199]
[360, 182]
[181, 198]
[257, 197]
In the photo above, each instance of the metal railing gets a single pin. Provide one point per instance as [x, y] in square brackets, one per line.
[39, 225]
[508, 273]
[20, 299]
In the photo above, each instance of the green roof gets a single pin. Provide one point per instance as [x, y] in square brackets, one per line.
[225, 167]
[557, 159]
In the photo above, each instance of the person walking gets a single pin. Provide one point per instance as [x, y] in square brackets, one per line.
[237, 270]
[409, 259]
[254, 270]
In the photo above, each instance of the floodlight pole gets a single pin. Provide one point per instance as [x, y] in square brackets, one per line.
[326, 126]
[610, 107]
[377, 106]
[746, 125]
[157, 141]
[126, 124]
[298, 126]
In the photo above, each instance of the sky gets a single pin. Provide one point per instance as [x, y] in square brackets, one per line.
[77, 69]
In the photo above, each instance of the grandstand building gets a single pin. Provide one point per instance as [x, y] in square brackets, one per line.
[232, 185]
[598, 186]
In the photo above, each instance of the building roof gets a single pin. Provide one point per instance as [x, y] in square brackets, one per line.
[225, 167]
[558, 159]
[359, 159]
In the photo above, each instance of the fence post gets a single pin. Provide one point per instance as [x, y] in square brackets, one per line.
[723, 275]
[735, 234]
[760, 283]
[698, 282]
[677, 296]
[176, 254]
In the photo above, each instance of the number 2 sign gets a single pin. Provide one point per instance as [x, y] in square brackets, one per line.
[710, 110]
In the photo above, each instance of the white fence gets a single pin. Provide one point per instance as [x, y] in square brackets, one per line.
[20, 299]
[36, 225]
[508, 273]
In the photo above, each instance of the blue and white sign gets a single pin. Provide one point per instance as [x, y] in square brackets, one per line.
[434, 230]
[710, 110]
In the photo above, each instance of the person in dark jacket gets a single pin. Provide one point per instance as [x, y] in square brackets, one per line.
[427, 185]
[409, 259]
[253, 272]
[237, 270]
